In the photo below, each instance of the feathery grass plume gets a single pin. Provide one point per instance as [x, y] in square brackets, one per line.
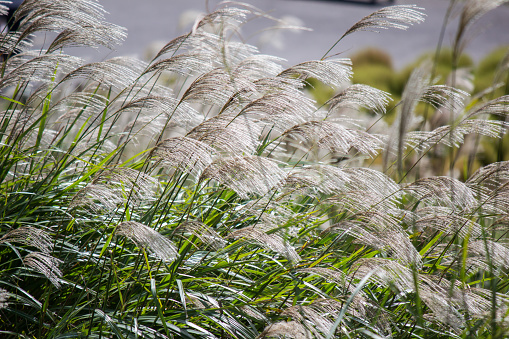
[497, 252]
[421, 141]
[30, 236]
[442, 309]
[216, 87]
[110, 188]
[386, 272]
[40, 7]
[332, 275]
[436, 298]
[335, 138]
[356, 95]
[498, 106]
[139, 185]
[364, 178]
[271, 211]
[45, 264]
[4, 10]
[245, 175]
[142, 130]
[81, 23]
[39, 68]
[399, 16]
[442, 191]
[106, 35]
[314, 320]
[226, 17]
[233, 135]
[18, 122]
[118, 72]
[4, 296]
[454, 136]
[183, 42]
[491, 176]
[259, 66]
[332, 72]
[326, 179]
[490, 128]
[96, 197]
[478, 302]
[185, 154]
[414, 89]
[391, 240]
[203, 232]
[362, 201]
[145, 237]
[80, 106]
[450, 224]
[10, 43]
[285, 329]
[471, 12]
[183, 64]
[444, 96]
[272, 242]
[281, 108]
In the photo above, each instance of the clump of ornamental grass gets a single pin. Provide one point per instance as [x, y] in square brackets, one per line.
[227, 204]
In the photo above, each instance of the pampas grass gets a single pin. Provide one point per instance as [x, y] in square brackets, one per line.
[225, 203]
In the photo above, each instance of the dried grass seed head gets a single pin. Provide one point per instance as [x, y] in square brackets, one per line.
[4, 296]
[45, 264]
[30, 236]
[335, 138]
[443, 191]
[365, 96]
[399, 16]
[118, 72]
[245, 175]
[145, 237]
[185, 154]
[285, 329]
[273, 242]
[332, 72]
[234, 135]
[205, 233]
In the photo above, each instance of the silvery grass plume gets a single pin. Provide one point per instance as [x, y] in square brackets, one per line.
[359, 95]
[335, 138]
[184, 154]
[399, 17]
[205, 233]
[146, 238]
[273, 242]
[280, 244]
[46, 264]
[245, 175]
[471, 12]
[4, 296]
[29, 236]
[27, 68]
[79, 23]
[110, 188]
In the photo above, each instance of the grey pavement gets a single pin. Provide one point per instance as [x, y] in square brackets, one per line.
[150, 21]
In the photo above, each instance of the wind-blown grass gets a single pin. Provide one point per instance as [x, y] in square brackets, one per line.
[228, 205]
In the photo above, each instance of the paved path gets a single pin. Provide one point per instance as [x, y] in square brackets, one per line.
[158, 20]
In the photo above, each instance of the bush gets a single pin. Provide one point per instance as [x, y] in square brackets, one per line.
[224, 203]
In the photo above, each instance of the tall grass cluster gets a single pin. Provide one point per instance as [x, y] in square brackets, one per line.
[204, 194]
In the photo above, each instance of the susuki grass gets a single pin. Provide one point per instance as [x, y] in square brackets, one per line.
[224, 203]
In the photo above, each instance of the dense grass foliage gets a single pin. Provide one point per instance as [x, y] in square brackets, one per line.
[223, 202]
